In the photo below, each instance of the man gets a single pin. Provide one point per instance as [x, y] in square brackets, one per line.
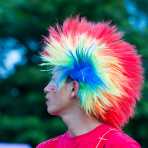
[96, 82]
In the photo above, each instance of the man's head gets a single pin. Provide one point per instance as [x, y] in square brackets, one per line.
[60, 99]
[107, 69]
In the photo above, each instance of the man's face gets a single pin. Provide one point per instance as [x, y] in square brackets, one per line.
[60, 99]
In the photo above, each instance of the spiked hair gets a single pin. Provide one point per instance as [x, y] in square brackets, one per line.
[108, 69]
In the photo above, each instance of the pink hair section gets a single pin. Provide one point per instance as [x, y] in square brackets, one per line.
[102, 31]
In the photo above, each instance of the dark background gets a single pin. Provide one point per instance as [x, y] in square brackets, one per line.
[23, 23]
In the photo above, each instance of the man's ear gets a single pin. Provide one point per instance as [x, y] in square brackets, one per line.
[75, 88]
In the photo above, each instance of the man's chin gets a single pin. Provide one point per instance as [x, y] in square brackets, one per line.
[53, 112]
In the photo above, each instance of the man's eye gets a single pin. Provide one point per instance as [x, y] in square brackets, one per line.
[51, 79]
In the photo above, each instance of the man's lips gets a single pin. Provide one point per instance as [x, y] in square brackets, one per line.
[47, 97]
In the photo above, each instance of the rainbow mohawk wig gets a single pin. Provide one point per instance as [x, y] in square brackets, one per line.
[107, 68]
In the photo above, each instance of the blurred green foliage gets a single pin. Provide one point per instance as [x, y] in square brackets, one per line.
[23, 115]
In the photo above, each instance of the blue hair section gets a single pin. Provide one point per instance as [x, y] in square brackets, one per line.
[81, 68]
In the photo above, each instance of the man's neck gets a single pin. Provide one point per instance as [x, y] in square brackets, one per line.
[78, 122]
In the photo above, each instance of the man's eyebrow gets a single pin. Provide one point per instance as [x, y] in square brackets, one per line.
[53, 78]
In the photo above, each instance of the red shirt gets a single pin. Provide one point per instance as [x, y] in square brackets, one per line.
[103, 136]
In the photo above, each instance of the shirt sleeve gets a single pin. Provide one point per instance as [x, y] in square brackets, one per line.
[121, 140]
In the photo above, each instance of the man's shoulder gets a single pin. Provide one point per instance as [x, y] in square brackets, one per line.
[50, 142]
[122, 140]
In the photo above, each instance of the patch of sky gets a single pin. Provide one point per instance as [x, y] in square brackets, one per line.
[12, 53]
[136, 18]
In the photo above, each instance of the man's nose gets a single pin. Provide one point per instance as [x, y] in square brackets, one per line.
[46, 89]
[49, 88]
